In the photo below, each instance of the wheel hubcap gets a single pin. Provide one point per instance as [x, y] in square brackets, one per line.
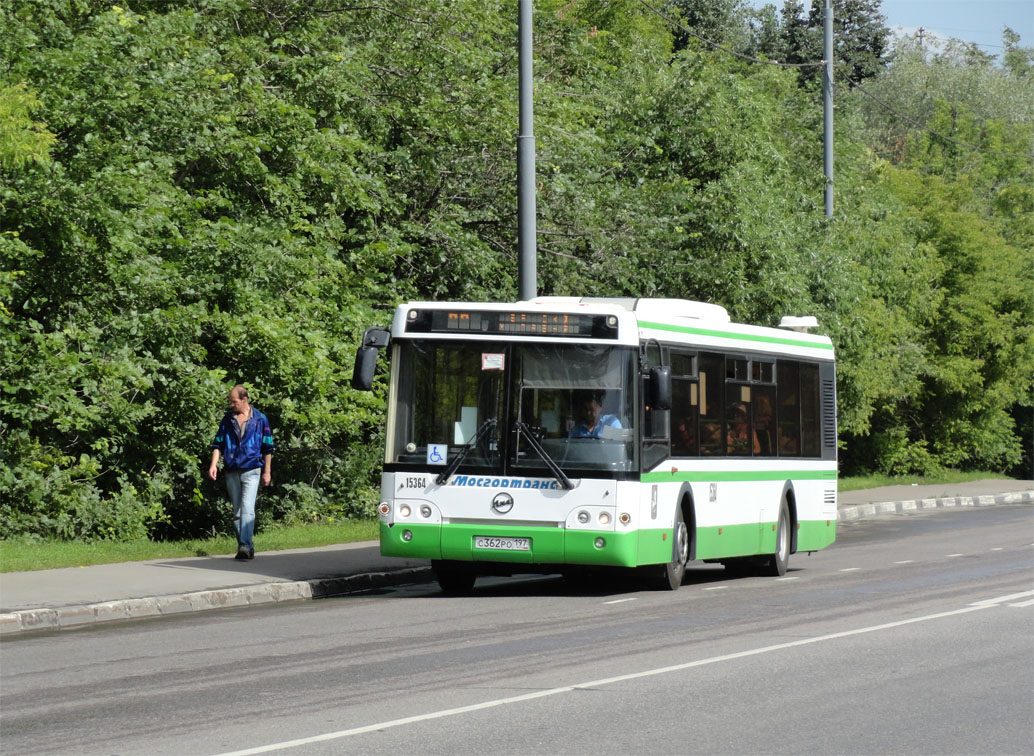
[682, 553]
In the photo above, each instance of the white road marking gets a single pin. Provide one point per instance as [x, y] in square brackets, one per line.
[974, 607]
[1003, 599]
[997, 548]
[906, 561]
[778, 580]
[1024, 603]
[716, 588]
[956, 555]
[620, 601]
[851, 569]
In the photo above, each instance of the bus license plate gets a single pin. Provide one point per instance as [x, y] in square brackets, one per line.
[502, 544]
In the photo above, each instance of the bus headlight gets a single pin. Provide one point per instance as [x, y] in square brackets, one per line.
[405, 511]
[604, 518]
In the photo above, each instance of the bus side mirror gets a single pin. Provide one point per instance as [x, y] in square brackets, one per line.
[374, 339]
[365, 365]
[660, 387]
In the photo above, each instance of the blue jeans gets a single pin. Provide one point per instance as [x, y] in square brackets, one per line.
[243, 489]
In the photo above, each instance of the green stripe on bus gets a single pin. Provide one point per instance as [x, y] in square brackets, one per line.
[736, 336]
[557, 546]
[723, 476]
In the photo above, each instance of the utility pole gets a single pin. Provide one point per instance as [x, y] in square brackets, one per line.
[827, 104]
[526, 233]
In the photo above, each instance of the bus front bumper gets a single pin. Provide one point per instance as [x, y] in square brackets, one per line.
[546, 545]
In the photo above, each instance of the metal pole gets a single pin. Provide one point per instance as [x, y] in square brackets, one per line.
[526, 272]
[827, 104]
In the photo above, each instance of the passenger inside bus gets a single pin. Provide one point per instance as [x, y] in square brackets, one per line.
[740, 440]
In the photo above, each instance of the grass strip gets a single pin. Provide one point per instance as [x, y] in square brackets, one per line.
[24, 555]
[861, 482]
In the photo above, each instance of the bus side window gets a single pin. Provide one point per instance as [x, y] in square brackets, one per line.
[684, 404]
[684, 414]
[711, 393]
[788, 394]
[764, 420]
[810, 420]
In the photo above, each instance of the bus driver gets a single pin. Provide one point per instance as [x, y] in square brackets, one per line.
[588, 405]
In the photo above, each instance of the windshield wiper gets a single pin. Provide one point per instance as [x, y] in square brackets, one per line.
[554, 468]
[464, 451]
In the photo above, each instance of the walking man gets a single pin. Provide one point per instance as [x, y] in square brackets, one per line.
[245, 442]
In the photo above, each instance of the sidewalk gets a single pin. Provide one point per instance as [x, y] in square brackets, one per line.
[72, 597]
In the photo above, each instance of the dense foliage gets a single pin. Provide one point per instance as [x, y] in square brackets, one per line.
[202, 192]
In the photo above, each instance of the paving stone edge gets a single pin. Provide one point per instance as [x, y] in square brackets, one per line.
[863, 511]
[66, 617]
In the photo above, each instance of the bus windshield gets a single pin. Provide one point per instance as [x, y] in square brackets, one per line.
[483, 400]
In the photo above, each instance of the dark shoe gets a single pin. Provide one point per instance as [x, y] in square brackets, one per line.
[251, 553]
[242, 554]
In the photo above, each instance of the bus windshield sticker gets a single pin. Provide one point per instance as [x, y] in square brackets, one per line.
[492, 362]
[437, 454]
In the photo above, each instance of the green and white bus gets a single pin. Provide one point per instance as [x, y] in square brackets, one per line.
[564, 433]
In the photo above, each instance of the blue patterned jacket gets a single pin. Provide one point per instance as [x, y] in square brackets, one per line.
[243, 454]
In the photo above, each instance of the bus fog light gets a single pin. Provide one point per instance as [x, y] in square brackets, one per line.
[604, 518]
[624, 518]
[425, 511]
[599, 543]
[583, 517]
[407, 535]
[405, 511]
[384, 508]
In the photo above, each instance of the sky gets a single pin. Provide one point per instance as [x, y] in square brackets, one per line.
[977, 21]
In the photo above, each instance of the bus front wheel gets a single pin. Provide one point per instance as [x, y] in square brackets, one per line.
[454, 577]
[671, 577]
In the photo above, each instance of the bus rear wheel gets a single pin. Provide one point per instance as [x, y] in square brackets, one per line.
[455, 578]
[775, 563]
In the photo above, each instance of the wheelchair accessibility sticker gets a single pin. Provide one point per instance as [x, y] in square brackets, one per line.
[437, 454]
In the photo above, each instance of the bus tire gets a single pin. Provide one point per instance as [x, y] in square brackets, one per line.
[455, 578]
[674, 570]
[775, 564]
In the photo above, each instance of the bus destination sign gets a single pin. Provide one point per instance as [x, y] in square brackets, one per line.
[512, 323]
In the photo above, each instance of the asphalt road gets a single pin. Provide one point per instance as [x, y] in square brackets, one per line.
[914, 634]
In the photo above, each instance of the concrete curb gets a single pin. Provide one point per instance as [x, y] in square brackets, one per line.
[66, 617]
[863, 511]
